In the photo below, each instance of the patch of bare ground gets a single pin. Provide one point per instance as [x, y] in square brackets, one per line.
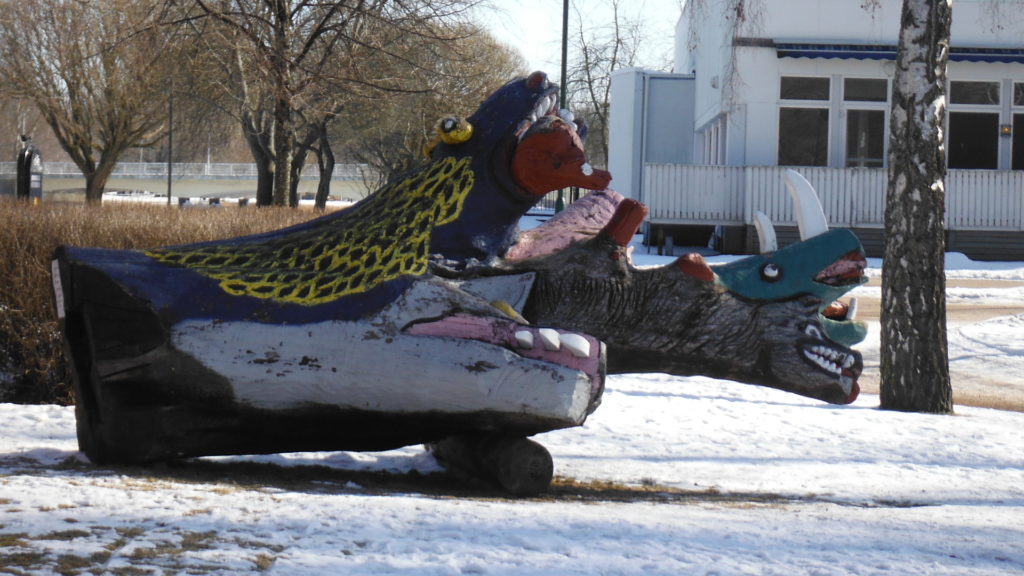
[969, 388]
[230, 476]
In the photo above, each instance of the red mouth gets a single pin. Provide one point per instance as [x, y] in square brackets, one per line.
[847, 270]
[550, 156]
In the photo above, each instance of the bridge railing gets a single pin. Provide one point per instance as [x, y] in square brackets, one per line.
[149, 170]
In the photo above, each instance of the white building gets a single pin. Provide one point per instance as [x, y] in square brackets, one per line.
[807, 83]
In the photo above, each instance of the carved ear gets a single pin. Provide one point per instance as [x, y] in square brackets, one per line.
[693, 264]
[628, 217]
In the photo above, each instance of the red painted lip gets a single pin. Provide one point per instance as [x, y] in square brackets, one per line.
[550, 156]
[853, 394]
[848, 269]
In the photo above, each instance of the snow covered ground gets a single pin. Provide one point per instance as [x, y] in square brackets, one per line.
[674, 476]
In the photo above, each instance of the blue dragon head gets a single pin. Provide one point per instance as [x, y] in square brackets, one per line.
[825, 264]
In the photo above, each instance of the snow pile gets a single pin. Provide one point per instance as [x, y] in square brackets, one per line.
[670, 475]
[722, 478]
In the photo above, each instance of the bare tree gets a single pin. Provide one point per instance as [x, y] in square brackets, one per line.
[914, 351]
[294, 63]
[599, 51]
[97, 72]
[389, 130]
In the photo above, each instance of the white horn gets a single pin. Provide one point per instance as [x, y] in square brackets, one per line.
[809, 215]
[765, 232]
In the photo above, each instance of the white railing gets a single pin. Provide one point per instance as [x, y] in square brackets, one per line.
[149, 170]
[853, 197]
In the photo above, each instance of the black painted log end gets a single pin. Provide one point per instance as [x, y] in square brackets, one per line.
[520, 466]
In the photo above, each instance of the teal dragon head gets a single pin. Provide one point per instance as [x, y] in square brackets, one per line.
[826, 264]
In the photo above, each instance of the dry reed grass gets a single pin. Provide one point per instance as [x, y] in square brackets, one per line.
[32, 365]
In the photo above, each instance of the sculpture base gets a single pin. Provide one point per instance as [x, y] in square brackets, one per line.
[518, 465]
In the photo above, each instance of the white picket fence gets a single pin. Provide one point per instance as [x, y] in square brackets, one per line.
[854, 197]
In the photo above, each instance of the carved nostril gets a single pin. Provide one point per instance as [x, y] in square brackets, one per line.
[537, 81]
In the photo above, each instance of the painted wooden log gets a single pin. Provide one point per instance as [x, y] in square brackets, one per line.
[518, 465]
[337, 334]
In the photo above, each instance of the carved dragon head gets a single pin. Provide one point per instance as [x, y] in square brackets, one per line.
[522, 146]
[757, 320]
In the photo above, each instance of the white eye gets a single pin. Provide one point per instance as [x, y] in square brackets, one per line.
[770, 272]
[812, 331]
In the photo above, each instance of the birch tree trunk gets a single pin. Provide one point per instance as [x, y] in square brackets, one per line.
[914, 351]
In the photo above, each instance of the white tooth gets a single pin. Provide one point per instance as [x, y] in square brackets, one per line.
[542, 107]
[549, 338]
[587, 169]
[578, 345]
[851, 310]
[810, 217]
[848, 362]
[765, 232]
[524, 338]
[566, 115]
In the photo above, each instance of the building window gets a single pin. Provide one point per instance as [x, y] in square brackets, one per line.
[865, 90]
[804, 128]
[865, 138]
[864, 100]
[973, 142]
[1018, 142]
[1017, 125]
[803, 137]
[804, 88]
[985, 93]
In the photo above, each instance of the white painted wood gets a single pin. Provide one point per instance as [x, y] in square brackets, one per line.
[340, 364]
[58, 289]
[765, 233]
[809, 214]
[549, 338]
[524, 339]
[577, 345]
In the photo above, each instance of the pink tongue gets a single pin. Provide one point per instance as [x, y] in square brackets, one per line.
[850, 266]
[502, 332]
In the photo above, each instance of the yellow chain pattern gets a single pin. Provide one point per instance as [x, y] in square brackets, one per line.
[385, 237]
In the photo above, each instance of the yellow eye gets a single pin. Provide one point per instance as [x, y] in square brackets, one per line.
[454, 129]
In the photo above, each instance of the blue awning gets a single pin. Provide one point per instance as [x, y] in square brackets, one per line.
[888, 52]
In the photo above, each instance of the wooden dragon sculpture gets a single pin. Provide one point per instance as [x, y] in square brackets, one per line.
[421, 315]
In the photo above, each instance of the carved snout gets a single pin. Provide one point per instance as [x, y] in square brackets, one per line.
[628, 217]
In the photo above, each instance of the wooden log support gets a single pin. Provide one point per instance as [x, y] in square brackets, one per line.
[520, 466]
